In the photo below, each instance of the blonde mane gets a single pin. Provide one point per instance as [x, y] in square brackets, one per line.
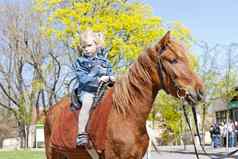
[136, 82]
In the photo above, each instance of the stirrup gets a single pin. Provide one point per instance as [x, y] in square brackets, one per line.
[82, 139]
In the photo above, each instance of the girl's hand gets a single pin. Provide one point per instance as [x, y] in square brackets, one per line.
[104, 79]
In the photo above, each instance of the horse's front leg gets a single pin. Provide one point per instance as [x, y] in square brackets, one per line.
[127, 146]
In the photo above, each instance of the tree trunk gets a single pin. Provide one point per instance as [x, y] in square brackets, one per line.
[1, 141]
[203, 122]
[22, 135]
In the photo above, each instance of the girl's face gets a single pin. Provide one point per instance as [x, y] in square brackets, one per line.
[89, 47]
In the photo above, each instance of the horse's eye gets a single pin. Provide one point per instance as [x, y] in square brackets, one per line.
[174, 61]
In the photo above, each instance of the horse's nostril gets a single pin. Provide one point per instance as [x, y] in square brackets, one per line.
[201, 92]
[199, 97]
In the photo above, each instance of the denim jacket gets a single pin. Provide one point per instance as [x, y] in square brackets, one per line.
[88, 70]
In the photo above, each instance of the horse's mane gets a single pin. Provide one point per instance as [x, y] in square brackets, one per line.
[138, 79]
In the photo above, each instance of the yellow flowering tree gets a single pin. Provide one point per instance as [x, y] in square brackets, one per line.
[128, 27]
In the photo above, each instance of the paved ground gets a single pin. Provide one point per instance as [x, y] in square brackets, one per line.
[178, 152]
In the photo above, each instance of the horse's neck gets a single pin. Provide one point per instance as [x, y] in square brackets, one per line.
[144, 90]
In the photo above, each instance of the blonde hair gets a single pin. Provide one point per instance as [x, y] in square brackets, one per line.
[88, 35]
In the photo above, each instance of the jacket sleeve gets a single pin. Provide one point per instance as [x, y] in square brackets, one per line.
[109, 69]
[82, 74]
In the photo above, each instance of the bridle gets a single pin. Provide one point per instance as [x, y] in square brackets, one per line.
[162, 69]
[161, 72]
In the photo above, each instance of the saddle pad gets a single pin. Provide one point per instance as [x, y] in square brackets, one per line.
[65, 128]
[97, 125]
[64, 132]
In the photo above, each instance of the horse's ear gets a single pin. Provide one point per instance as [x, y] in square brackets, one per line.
[163, 42]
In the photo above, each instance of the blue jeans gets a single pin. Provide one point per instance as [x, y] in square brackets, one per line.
[231, 139]
[216, 140]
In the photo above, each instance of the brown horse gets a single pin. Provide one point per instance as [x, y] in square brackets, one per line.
[165, 66]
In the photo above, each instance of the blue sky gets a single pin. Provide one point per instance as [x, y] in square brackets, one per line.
[214, 21]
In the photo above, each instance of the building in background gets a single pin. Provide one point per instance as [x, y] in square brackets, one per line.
[221, 109]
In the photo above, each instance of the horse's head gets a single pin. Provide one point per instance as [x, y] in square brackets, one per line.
[174, 72]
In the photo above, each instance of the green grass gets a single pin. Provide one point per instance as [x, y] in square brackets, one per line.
[22, 154]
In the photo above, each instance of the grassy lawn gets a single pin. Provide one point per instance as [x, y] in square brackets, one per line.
[22, 154]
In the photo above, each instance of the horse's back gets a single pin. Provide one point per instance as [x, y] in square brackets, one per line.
[55, 110]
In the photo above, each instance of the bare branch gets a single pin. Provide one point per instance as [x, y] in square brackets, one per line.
[5, 92]
[9, 108]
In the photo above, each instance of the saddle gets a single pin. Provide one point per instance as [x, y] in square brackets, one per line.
[76, 103]
[66, 128]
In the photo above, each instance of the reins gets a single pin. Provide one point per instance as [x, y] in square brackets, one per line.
[190, 128]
